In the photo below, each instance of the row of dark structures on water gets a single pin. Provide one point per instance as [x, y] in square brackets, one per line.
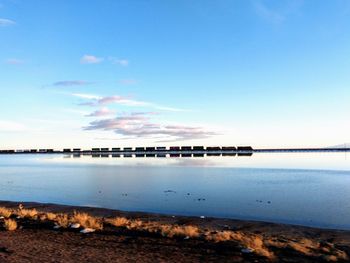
[172, 151]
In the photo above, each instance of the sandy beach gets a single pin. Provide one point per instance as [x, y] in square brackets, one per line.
[135, 237]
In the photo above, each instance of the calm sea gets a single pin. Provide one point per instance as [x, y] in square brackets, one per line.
[310, 189]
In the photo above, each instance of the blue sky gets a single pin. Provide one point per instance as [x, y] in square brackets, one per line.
[146, 72]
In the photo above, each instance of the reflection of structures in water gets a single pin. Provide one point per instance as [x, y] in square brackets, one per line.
[158, 155]
[245, 154]
[228, 154]
[213, 154]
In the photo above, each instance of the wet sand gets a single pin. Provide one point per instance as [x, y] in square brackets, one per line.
[37, 241]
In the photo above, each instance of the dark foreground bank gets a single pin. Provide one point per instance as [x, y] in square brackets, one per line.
[44, 233]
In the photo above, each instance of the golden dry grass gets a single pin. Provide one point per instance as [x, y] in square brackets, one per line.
[255, 242]
[47, 216]
[118, 221]
[10, 224]
[27, 213]
[135, 224]
[5, 212]
[154, 227]
[50, 216]
[179, 231]
[87, 221]
[311, 248]
[251, 241]
[62, 220]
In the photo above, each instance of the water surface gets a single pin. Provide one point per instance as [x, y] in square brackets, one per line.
[309, 189]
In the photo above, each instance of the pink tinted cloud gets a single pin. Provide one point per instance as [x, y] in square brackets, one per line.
[139, 125]
[102, 113]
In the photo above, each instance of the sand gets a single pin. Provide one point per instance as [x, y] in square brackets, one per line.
[221, 240]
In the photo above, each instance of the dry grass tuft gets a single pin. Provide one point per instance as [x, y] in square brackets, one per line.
[135, 225]
[251, 241]
[118, 221]
[50, 216]
[5, 212]
[154, 227]
[62, 220]
[87, 221]
[47, 216]
[179, 231]
[10, 224]
[27, 213]
[305, 246]
[312, 248]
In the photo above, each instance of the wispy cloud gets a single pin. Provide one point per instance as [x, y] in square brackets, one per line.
[101, 113]
[139, 125]
[66, 83]
[118, 61]
[98, 101]
[128, 81]
[6, 22]
[90, 59]
[267, 13]
[86, 96]
[14, 61]
[279, 12]
[121, 100]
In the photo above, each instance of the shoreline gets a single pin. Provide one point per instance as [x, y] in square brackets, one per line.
[169, 218]
[213, 239]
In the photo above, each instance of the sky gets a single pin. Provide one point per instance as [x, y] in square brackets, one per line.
[109, 73]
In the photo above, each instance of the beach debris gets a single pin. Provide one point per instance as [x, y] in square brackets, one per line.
[74, 226]
[201, 199]
[56, 226]
[202, 217]
[247, 250]
[20, 206]
[1, 217]
[18, 217]
[186, 238]
[188, 194]
[269, 202]
[125, 194]
[87, 230]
